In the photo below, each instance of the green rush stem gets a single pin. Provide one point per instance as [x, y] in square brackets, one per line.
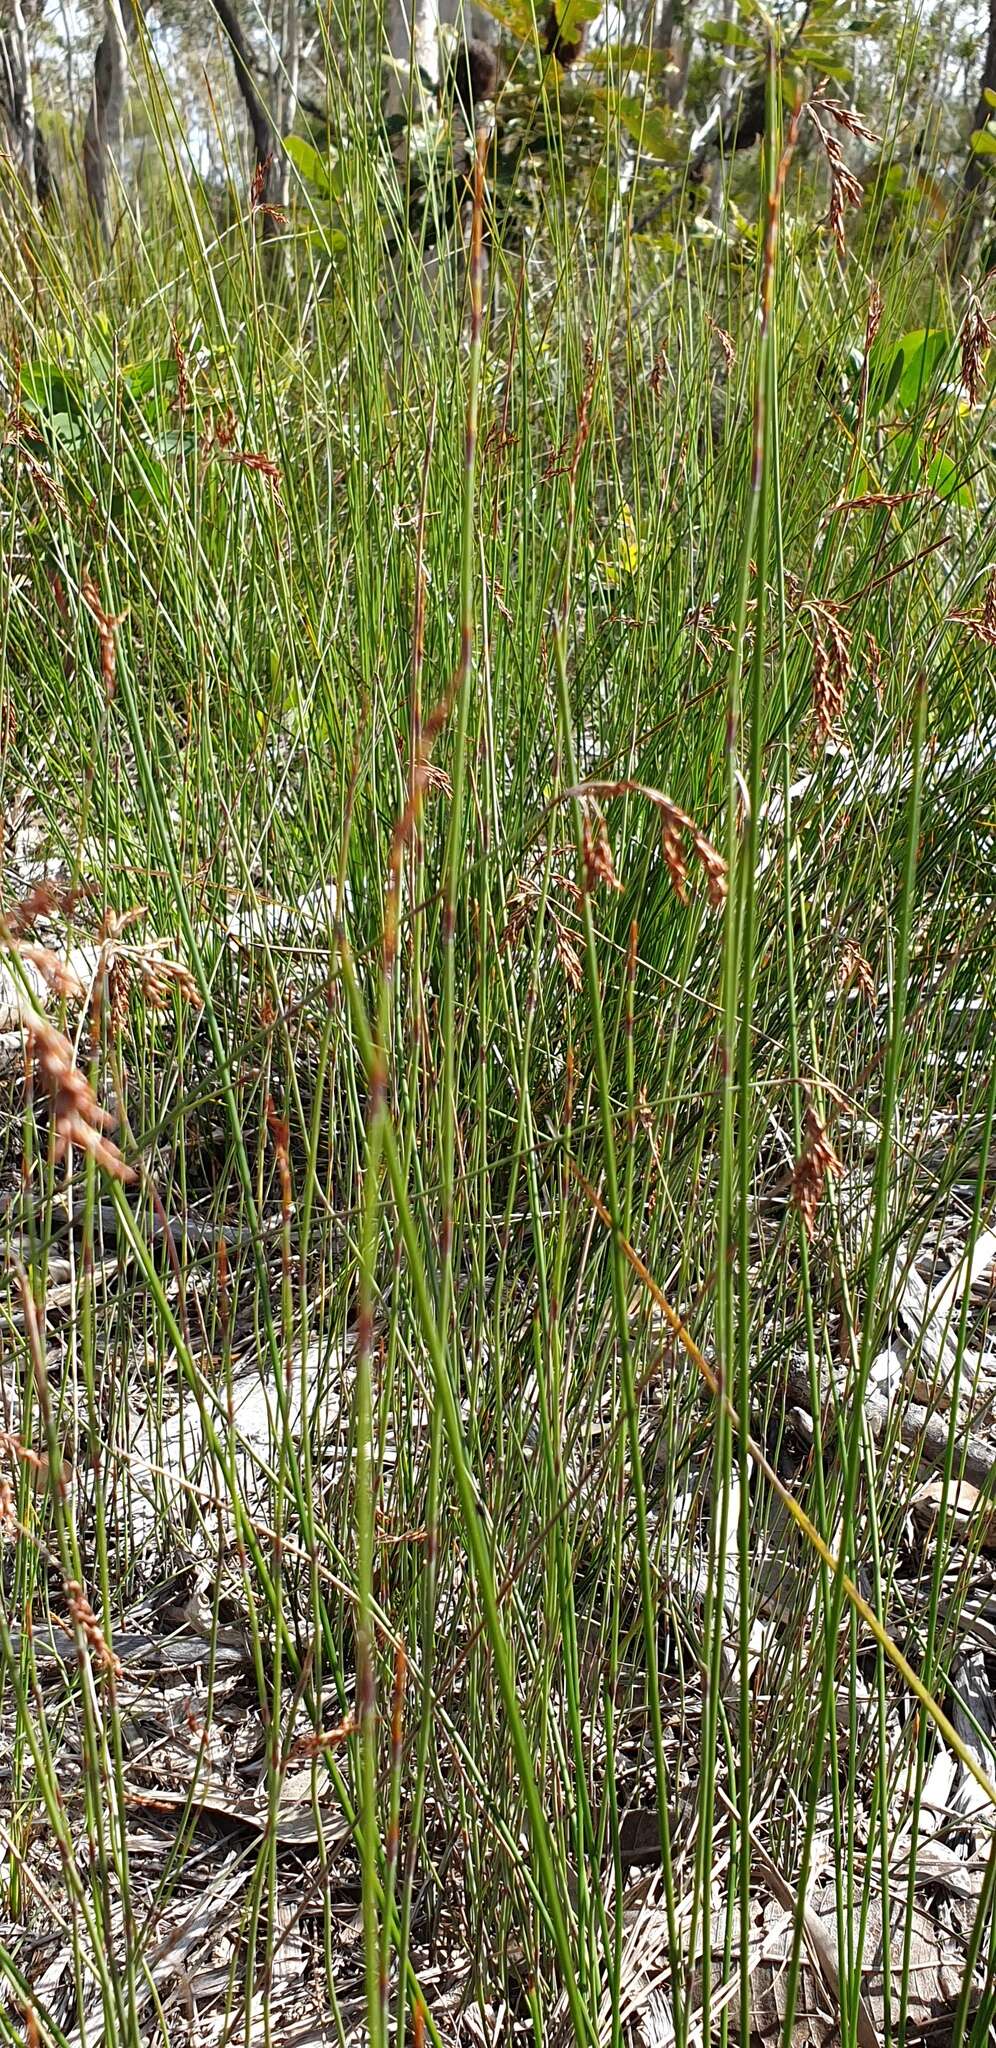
[882, 1186]
[618, 1265]
[474, 1522]
[733, 1296]
[760, 522]
[366, 1699]
[455, 845]
[940, 1551]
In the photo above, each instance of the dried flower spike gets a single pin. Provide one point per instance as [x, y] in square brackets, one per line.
[824, 103]
[855, 971]
[83, 1618]
[262, 464]
[725, 341]
[78, 1117]
[107, 625]
[816, 1161]
[845, 188]
[56, 973]
[831, 669]
[981, 624]
[976, 340]
[41, 901]
[598, 862]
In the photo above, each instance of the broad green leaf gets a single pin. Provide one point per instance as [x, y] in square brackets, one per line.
[513, 15]
[984, 141]
[651, 127]
[922, 350]
[817, 61]
[155, 374]
[306, 159]
[574, 15]
[728, 32]
[902, 370]
[48, 390]
[989, 96]
[331, 241]
[628, 57]
[945, 478]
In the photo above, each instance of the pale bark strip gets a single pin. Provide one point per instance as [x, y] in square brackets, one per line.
[103, 135]
[17, 94]
[413, 41]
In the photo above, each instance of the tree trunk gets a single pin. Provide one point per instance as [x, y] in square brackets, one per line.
[105, 119]
[265, 140]
[413, 40]
[670, 36]
[288, 83]
[977, 166]
[17, 96]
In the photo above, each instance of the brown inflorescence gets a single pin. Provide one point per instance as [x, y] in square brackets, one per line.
[107, 626]
[78, 1118]
[83, 1618]
[845, 188]
[982, 623]
[831, 668]
[56, 973]
[599, 866]
[976, 340]
[815, 1163]
[676, 826]
[855, 971]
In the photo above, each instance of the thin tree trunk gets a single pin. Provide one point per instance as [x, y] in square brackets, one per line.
[265, 141]
[670, 36]
[288, 83]
[17, 102]
[26, 125]
[978, 166]
[105, 119]
[413, 40]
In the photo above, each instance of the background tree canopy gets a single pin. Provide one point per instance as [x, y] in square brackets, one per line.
[680, 86]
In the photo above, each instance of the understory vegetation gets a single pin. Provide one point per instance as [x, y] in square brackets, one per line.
[498, 756]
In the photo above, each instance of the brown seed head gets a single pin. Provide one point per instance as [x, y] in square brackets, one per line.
[568, 957]
[845, 191]
[315, 1743]
[725, 341]
[976, 340]
[78, 1119]
[83, 1618]
[823, 103]
[816, 1161]
[107, 625]
[981, 624]
[855, 971]
[262, 464]
[57, 974]
[673, 850]
[831, 676]
[713, 867]
[598, 862]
